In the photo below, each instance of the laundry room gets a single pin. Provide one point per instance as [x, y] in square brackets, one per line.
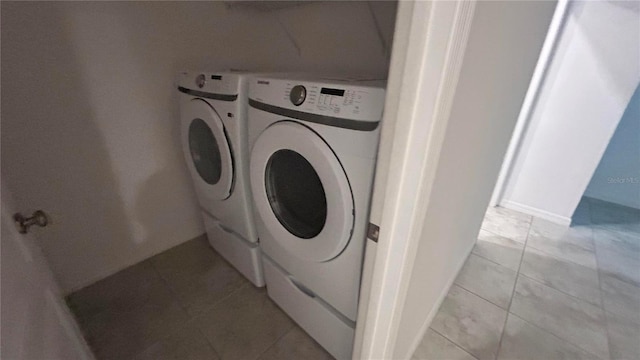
[92, 135]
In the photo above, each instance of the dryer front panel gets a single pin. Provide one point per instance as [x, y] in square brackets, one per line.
[301, 192]
[207, 150]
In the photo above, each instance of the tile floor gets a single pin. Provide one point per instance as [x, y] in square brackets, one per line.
[529, 290]
[535, 290]
[186, 303]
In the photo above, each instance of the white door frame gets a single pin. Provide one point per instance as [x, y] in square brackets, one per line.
[424, 70]
[429, 46]
[530, 100]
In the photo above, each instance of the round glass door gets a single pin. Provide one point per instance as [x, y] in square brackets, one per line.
[207, 150]
[204, 152]
[301, 192]
[295, 194]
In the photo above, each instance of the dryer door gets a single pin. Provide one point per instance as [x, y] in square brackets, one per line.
[207, 150]
[301, 192]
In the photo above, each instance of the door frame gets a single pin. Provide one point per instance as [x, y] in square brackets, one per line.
[414, 120]
[533, 93]
[427, 60]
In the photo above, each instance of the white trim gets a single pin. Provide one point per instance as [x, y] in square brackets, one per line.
[530, 100]
[437, 40]
[558, 219]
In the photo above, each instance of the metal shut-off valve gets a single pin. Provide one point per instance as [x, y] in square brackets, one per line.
[23, 223]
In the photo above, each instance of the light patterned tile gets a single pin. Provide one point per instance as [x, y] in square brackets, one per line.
[499, 249]
[581, 236]
[573, 320]
[571, 245]
[186, 343]
[568, 277]
[624, 337]
[523, 341]
[296, 345]
[624, 243]
[488, 280]
[116, 334]
[244, 325]
[197, 275]
[471, 322]
[508, 223]
[128, 289]
[624, 268]
[436, 347]
[621, 298]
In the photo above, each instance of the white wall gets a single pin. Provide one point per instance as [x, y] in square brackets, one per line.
[617, 178]
[590, 80]
[90, 120]
[505, 40]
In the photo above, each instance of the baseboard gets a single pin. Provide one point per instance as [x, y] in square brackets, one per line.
[434, 310]
[558, 219]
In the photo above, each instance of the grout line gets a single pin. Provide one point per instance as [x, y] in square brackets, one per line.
[171, 290]
[514, 288]
[504, 237]
[215, 351]
[560, 291]
[293, 326]
[473, 293]
[453, 342]
[576, 245]
[493, 261]
[221, 300]
[554, 335]
[604, 311]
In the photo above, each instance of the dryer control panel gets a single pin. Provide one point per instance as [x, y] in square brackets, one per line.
[223, 83]
[350, 99]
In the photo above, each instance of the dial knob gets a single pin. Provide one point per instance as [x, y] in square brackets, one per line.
[200, 80]
[297, 95]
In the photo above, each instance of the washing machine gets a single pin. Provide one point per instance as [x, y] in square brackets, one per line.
[213, 112]
[314, 146]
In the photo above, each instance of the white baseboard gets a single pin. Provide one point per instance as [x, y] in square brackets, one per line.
[543, 214]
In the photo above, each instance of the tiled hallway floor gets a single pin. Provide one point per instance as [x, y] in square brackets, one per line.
[186, 303]
[535, 290]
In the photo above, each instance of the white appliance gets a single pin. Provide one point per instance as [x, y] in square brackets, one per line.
[213, 112]
[314, 145]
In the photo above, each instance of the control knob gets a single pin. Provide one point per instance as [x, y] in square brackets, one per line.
[297, 95]
[201, 80]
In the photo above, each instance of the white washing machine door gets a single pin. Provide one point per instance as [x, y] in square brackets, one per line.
[207, 150]
[301, 192]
